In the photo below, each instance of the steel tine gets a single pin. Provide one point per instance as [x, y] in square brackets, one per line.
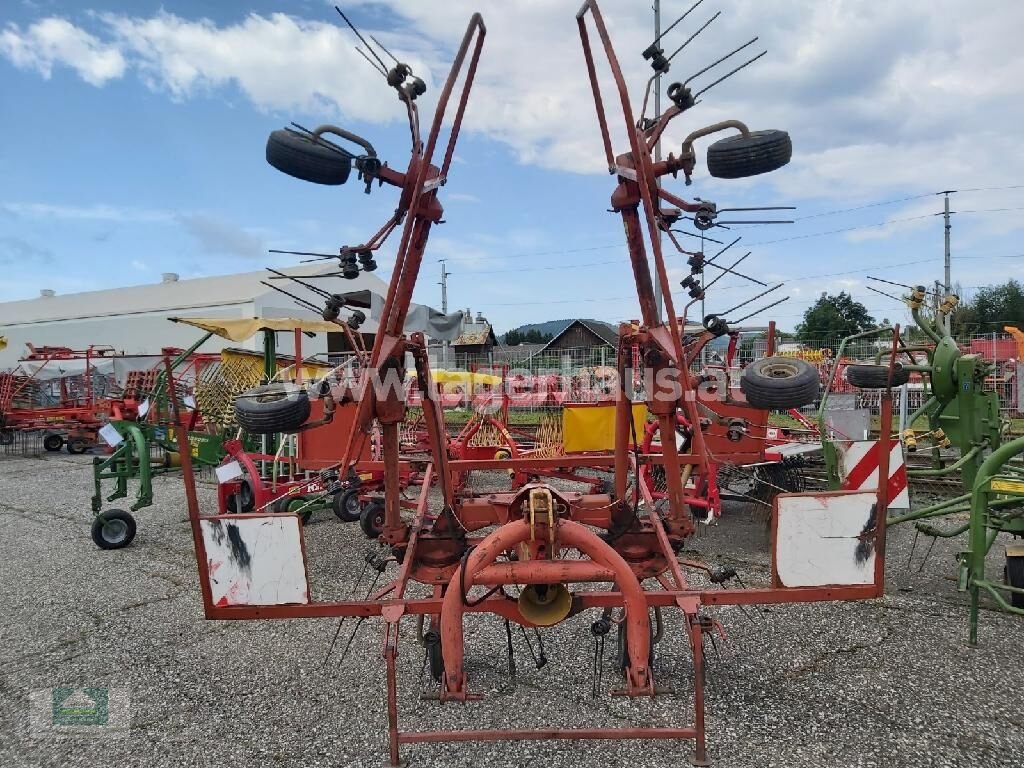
[304, 253]
[738, 274]
[733, 265]
[359, 35]
[373, 64]
[702, 236]
[383, 48]
[691, 37]
[758, 221]
[727, 75]
[300, 302]
[719, 61]
[676, 22]
[762, 309]
[762, 208]
[730, 245]
[750, 300]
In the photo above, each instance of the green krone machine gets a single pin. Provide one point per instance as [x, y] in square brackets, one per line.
[959, 414]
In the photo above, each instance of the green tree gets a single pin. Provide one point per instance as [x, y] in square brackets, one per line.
[991, 308]
[833, 317]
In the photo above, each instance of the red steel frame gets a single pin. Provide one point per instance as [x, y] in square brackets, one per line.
[445, 548]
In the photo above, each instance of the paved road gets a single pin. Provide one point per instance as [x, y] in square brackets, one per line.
[888, 683]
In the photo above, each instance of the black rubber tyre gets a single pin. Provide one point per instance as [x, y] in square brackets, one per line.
[271, 408]
[113, 529]
[247, 496]
[779, 383]
[6, 437]
[347, 506]
[371, 520]
[291, 504]
[77, 445]
[299, 156]
[737, 157]
[435, 657]
[876, 376]
[1014, 577]
[53, 443]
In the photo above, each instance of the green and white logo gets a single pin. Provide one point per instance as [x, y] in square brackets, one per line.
[82, 711]
[80, 706]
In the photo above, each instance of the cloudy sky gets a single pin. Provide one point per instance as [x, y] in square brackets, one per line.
[132, 136]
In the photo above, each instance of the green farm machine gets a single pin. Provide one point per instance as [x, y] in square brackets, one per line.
[959, 414]
[206, 386]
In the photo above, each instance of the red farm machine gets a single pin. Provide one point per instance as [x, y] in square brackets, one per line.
[612, 554]
[62, 393]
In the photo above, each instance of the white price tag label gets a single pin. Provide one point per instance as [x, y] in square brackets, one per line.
[110, 435]
[228, 472]
[190, 402]
[144, 408]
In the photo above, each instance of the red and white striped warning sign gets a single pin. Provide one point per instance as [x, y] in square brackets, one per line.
[860, 470]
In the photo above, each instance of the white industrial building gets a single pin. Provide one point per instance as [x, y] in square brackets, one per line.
[134, 320]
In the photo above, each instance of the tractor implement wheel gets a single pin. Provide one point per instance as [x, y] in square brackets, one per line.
[1014, 574]
[780, 383]
[304, 158]
[77, 445]
[113, 529]
[6, 437]
[53, 443]
[876, 376]
[291, 505]
[737, 157]
[347, 506]
[372, 519]
[272, 408]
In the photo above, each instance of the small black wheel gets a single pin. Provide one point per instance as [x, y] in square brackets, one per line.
[780, 383]
[246, 495]
[292, 504]
[371, 520]
[347, 505]
[6, 437]
[435, 657]
[113, 529]
[53, 443]
[305, 158]
[876, 376]
[737, 157]
[1014, 575]
[77, 445]
[272, 408]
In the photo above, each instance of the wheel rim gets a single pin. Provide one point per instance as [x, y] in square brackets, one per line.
[352, 504]
[115, 531]
[780, 370]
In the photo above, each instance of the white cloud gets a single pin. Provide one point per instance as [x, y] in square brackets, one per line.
[901, 97]
[97, 212]
[58, 41]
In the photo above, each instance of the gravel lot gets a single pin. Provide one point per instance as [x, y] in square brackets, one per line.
[886, 683]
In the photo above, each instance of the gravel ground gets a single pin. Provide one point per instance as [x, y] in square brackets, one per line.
[883, 683]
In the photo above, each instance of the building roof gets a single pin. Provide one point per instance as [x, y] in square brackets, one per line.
[181, 296]
[480, 334]
[608, 335]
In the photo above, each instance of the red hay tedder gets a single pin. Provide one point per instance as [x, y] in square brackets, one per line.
[467, 548]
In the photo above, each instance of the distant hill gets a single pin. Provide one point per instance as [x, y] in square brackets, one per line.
[555, 327]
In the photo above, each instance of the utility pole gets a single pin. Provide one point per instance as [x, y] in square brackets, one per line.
[949, 286]
[444, 308]
[657, 147]
[947, 282]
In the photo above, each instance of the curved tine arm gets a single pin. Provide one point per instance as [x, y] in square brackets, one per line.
[687, 150]
[475, 27]
[658, 128]
[354, 138]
